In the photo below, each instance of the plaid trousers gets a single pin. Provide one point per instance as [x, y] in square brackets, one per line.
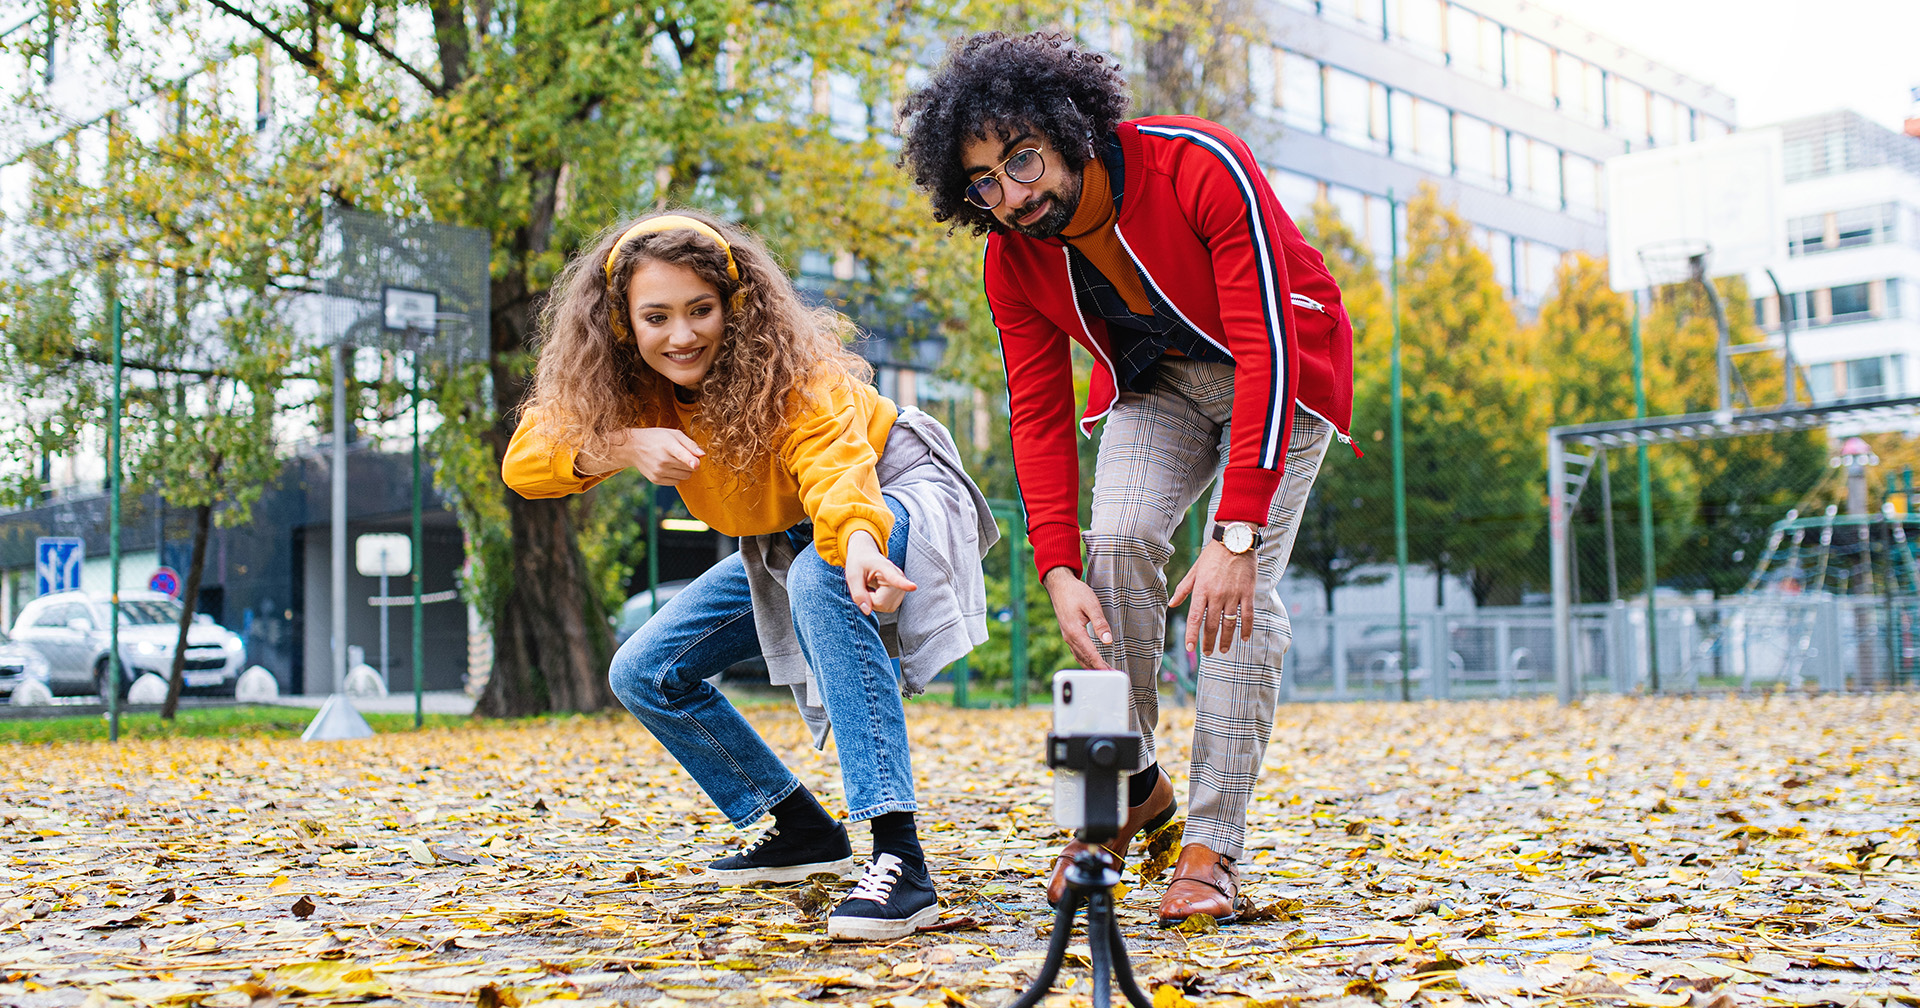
[1161, 448]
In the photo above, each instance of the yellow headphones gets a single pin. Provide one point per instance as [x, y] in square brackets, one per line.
[675, 222]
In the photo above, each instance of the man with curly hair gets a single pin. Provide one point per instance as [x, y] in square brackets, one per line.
[1220, 352]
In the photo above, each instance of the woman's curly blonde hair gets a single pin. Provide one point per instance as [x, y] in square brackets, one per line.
[591, 382]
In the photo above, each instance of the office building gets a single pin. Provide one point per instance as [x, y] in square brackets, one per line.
[1509, 109]
[1851, 196]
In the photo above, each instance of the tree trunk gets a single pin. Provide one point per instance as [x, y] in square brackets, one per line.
[551, 640]
[177, 675]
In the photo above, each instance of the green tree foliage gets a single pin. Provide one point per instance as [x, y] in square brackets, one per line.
[1745, 484]
[1474, 413]
[178, 217]
[1713, 501]
[1342, 531]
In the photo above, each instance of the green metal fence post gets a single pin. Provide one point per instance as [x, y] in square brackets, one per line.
[961, 672]
[1647, 564]
[653, 550]
[1400, 456]
[1017, 590]
[113, 540]
[419, 615]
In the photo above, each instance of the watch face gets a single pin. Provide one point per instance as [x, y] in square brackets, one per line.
[1239, 537]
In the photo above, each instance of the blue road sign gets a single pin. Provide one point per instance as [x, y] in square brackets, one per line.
[166, 581]
[56, 560]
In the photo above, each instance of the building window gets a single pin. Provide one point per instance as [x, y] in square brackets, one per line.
[1362, 12]
[1536, 171]
[1499, 249]
[1851, 302]
[1866, 377]
[1820, 386]
[1863, 226]
[1351, 204]
[1577, 85]
[1297, 90]
[1356, 110]
[1422, 134]
[1806, 235]
[1627, 108]
[1893, 298]
[1479, 151]
[1297, 192]
[1538, 265]
[1422, 25]
[1582, 184]
[1531, 68]
[1473, 44]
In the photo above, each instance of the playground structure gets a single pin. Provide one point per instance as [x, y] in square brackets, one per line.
[1831, 604]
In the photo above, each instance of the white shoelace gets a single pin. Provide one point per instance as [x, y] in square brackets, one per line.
[761, 841]
[877, 883]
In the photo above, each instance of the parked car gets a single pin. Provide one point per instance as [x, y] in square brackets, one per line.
[70, 630]
[19, 663]
[640, 607]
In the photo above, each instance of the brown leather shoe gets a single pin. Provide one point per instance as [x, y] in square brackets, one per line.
[1203, 882]
[1149, 817]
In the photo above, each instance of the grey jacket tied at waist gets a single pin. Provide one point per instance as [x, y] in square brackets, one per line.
[943, 618]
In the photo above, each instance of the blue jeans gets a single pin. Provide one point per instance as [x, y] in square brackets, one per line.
[661, 672]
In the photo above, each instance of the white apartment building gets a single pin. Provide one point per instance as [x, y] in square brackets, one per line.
[1509, 109]
[1852, 202]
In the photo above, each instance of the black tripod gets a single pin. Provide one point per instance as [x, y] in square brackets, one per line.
[1091, 877]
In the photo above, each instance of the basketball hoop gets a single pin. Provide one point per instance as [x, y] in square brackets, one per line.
[1670, 261]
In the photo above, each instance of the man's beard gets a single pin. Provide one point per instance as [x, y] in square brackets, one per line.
[1066, 200]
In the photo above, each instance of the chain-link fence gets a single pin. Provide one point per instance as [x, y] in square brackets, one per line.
[1776, 558]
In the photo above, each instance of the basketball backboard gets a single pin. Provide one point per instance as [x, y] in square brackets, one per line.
[1721, 196]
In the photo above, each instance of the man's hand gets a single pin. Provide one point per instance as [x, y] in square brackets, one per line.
[665, 456]
[873, 582]
[1221, 583]
[1075, 606]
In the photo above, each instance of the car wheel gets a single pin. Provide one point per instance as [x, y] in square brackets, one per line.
[100, 683]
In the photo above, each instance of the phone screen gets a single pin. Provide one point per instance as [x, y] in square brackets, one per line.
[1086, 702]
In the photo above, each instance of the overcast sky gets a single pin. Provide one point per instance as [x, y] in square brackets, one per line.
[1777, 58]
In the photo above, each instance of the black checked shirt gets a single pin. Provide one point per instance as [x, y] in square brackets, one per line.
[1139, 341]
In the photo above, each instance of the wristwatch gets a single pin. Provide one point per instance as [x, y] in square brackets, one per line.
[1238, 536]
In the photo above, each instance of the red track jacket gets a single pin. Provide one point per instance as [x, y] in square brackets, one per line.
[1205, 229]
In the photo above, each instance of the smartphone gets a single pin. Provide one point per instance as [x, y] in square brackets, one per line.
[1087, 702]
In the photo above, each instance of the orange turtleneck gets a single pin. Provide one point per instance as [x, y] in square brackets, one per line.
[1091, 231]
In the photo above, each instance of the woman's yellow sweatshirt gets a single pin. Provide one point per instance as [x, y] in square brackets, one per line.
[824, 471]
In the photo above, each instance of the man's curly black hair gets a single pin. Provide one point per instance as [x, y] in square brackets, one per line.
[1040, 81]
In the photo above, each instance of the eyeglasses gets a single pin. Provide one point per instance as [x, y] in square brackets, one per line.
[1024, 166]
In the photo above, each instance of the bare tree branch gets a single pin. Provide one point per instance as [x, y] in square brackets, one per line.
[95, 357]
[306, 57]
[355, 32]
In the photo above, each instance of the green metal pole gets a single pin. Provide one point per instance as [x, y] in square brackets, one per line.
[653, 550]
[113, 543]
[961, 673]
[1648, 573]
[419, 615]
[1017, 588]
[1399, 451]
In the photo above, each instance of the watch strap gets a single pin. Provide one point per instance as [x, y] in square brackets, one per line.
[1220, 533]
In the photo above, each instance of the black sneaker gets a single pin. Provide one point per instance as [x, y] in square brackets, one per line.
[891, 901]
[776, 858]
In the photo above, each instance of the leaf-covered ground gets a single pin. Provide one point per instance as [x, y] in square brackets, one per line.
[1636, 852]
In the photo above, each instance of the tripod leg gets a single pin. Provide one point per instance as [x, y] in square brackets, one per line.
[1099, 950]
[1056, 953]
[1122, 968]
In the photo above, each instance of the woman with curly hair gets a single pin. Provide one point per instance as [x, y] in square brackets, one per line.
[1221, 355]
[675, 345]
